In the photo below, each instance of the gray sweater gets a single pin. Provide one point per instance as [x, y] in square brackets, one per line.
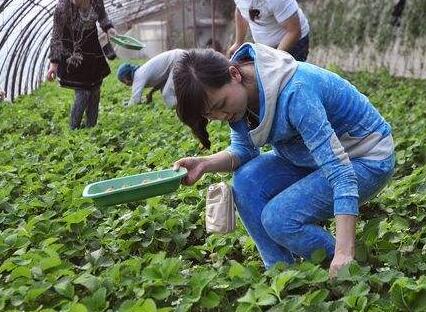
[158, 73]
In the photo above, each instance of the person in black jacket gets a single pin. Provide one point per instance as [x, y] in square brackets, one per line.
[76, 56]
[2, 95]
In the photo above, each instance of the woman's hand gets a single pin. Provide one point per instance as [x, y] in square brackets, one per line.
[339, 260]
[52, 71]
[111, 33]
[195, 168]
[345, 243]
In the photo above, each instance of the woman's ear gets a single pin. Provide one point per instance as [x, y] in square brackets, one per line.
[235, 74]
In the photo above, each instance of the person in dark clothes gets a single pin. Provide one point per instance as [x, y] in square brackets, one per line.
[76, 56]
[2, 95]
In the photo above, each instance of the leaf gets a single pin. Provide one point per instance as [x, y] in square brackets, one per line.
[238, 271]
[87, 280]
[199, 281]
[77, 216]
[315, 297]
[356, 298]
[291, 305]
[148, 306]
[402, 289]
[97, 301]
[249, 297]
[160, 292]
[50, 262]
[280, 282]
[360, 289]
[352, 272]
[36, 291]
[318, 256]
[245, 307]
[265, 297]
[7, 266]
[211, 300]
[65, 288]
[78, 307]
[21, 272]
[419, 302]
[387, 276]
[261, 295]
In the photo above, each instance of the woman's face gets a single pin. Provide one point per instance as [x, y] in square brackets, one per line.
[127, 81]
[228, 103]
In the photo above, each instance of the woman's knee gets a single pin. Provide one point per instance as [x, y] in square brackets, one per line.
[280, 224]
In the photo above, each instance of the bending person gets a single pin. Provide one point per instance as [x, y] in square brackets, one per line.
[155, 73]
[332, 150]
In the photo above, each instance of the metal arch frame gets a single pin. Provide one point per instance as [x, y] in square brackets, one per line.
[15, 61]
[23, 43]
[24, 64]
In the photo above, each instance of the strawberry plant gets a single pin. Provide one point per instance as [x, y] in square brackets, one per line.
[59, 252]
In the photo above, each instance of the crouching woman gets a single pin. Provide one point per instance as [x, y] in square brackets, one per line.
[331, 149]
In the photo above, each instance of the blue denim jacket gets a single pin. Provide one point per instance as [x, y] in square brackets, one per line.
[320, 121]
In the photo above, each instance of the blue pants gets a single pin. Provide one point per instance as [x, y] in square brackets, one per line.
[281, 204]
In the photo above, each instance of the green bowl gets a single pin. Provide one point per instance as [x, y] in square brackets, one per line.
[135, 187]
[127, 42]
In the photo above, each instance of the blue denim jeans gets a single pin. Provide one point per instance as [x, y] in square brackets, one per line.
[281, 204]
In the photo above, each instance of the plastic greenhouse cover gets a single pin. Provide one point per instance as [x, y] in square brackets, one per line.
[25, 27]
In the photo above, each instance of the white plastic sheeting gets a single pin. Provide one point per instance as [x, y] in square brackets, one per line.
[25, 27]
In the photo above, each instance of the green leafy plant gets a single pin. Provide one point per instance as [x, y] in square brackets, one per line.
[59, 252]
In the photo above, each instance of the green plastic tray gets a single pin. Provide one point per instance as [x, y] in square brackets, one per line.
[127, 42]
[135, 187]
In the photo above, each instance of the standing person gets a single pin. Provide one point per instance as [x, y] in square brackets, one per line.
[332, 150]
[279, 24]
[2, 95]
[76, 56]
[156, 73]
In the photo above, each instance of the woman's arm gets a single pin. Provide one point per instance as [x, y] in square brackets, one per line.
[286, 14]
[237, 154]
[222, 161]
[241, 26]
[138, 85]
[197, 166]
[103, 19]
[293, 32]
[59, 20]
[345, 243]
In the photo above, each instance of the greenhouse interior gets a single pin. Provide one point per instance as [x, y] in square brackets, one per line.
[212, 155]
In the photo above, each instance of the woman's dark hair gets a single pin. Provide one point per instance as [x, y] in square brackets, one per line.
[196, 71]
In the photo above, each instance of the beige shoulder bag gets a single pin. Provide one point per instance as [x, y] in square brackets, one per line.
[220, 208]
